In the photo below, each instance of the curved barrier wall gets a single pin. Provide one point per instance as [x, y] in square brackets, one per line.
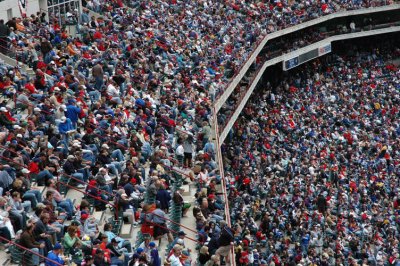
[232, 85]
[289, 56]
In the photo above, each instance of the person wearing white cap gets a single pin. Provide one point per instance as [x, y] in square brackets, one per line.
[115, 154]
[32, 195]
[60, 111]
[64, 128]
[5, 117]
[53, 98]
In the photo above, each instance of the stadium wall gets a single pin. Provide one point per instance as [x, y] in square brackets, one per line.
[10, 8]
[222, 99]
[293, 54]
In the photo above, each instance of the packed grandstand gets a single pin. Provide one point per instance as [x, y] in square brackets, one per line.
[109, 139]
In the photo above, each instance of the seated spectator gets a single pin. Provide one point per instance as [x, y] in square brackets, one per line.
[70, 169]
[72, 245]
[42, 232]
[28, 241]
[122, 243]
[55, 256]
[118, 256]
[18, 210]
[6, 227]
[23, 186]
[60, 200]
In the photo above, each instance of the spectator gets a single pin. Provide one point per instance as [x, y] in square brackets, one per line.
[18, 209]
[28, 241]
[225, 241]
[62, 202]
[55, 256]
[43, 233]
[154, 257]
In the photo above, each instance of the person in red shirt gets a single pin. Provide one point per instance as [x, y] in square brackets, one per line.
[103, 246]
[98, 35]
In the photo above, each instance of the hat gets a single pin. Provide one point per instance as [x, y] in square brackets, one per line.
[181, 233]
[105, 146]
[96, 241]
[32, 220]
[36, 109]
[56, 89]
[63, 119]
[25, 171]
[152, 244]
[179, 241]
[139, 250]
[3, 109]
[57, 246]
[114, 240]
[19, 135]
[70, 157]
[177, 247]
[17, 127]
[40, 205]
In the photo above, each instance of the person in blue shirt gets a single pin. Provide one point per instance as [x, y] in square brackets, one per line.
[64, 128]
[73, 112]
[65, 125]
[154, 257]
[54, 256]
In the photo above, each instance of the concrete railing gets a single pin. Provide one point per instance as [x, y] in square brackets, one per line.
[235, 81]
[290, 55]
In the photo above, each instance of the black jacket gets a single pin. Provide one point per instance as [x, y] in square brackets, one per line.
[69, 167]
[4, 31]
[113, 251]
[226, 236]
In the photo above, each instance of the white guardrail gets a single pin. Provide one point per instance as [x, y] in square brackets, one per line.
[290, 55]
[222, 99]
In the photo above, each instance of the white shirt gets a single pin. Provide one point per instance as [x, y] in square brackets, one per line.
[175, 260]
[180, 150]
[112, 91]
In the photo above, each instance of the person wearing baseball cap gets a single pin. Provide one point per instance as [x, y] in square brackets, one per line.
[154, 256]
[54, 256]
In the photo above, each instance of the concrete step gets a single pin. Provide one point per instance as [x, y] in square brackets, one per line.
[95, 14]
[185, 190]
[12, 62]
[126, 230]
[99, 216]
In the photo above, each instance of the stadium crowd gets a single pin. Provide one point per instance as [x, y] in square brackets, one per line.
[313, 164]
[133, 91]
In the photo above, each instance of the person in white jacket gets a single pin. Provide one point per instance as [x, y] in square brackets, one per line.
[6, 228]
